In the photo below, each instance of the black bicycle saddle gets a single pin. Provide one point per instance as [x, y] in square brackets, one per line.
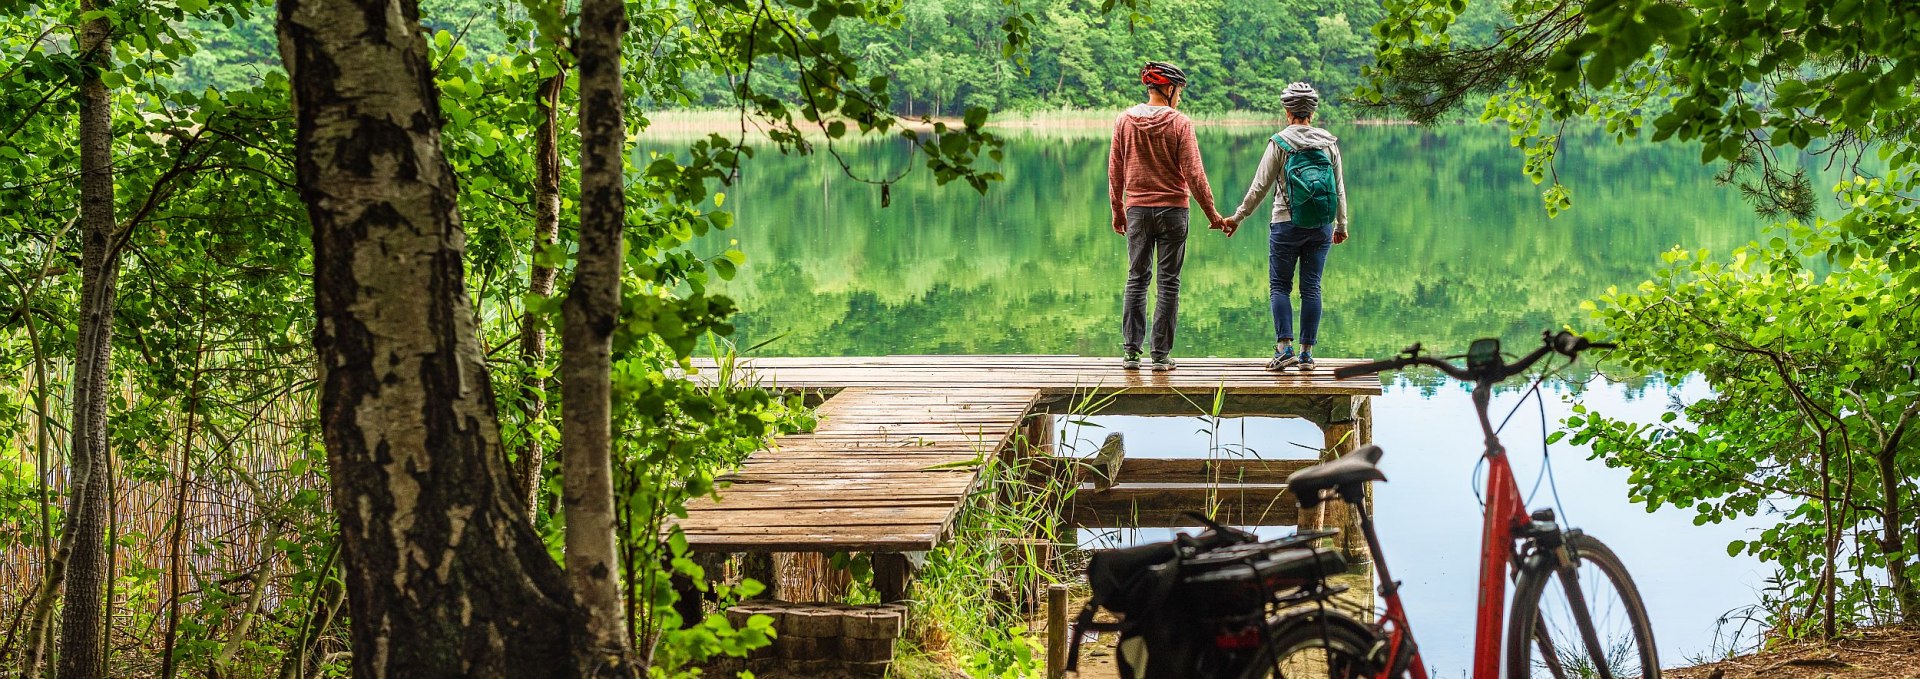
[1355, 467]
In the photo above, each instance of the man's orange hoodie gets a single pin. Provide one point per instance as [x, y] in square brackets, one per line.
[1156, 163]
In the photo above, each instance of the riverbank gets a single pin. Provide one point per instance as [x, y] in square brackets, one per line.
[693, 124]
[1879, 653]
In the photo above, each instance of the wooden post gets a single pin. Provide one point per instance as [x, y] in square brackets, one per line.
[1039, 434]
[690, 605]
[1363, 435]
[890, 576]
[1057, 632]
[758, 566]
[1342, 437]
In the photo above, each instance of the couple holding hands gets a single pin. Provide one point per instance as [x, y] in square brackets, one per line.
[1153, 169]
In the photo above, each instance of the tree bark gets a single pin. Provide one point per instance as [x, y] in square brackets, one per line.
[546, 232]
[176, 558]
[445, 576]
[1893, 540]
[587, 324]
[82, 619]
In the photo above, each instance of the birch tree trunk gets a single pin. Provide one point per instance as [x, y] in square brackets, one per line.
[82, 624]
[546, 231]
[445, 576]
[587, 323]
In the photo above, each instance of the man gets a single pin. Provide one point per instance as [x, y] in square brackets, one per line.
[1153, 169]
[1309, 217]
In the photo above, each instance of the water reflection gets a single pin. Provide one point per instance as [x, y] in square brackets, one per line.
[1450, 243]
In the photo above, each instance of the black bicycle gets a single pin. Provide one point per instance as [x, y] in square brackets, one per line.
[1224, 604]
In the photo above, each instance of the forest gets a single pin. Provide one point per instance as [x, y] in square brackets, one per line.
[354, 337]
[942, 57]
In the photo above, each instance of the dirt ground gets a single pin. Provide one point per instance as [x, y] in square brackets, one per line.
[1879, 653]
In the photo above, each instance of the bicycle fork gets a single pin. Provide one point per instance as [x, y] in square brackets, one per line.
[1550, 545]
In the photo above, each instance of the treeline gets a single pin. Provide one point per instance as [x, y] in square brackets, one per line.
[945, 56]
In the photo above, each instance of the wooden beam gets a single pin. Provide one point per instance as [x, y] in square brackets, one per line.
[1224, 471]
[1161, 505]
[1311, 407]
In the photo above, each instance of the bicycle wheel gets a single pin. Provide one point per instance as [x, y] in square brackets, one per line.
[1321, 644]
[1557, 612]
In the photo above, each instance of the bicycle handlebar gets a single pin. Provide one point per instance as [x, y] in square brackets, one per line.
[1564, 343]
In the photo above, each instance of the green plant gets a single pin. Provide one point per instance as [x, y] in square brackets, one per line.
[1816, 393]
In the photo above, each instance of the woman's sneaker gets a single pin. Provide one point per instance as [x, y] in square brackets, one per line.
[1282, 358]
[1163, 364]
[1131, 361]
[1306, 361]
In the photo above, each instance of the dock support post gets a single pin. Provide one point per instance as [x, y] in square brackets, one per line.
[1343, 428]
[890, 576]
[758, 566]
[1057, 632]
[691, 603]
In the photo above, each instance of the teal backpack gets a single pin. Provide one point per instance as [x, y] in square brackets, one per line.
[1312, 195]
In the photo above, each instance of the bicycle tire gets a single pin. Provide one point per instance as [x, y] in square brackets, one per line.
[1353, 649]
[1591, 556]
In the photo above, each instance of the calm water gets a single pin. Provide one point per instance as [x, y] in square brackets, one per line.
[1449, 244]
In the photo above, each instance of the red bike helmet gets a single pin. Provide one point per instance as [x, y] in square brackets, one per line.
[1162, 74]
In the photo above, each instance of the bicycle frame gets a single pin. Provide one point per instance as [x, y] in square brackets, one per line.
[1505, 511]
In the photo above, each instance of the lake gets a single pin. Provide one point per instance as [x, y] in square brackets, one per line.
[1449, 243]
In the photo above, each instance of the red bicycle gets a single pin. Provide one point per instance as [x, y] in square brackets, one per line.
[1223, 605]
[1575, 612]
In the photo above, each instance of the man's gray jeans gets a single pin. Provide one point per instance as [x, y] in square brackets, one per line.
[1156, 236]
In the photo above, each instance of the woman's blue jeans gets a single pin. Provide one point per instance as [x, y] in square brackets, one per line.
[1306, 247]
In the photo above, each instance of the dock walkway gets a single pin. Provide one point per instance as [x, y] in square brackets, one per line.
[901, 438]
[885, 472]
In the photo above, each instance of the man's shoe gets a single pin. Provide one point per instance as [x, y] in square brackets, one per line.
[1163, 364]
[1282, 359]
[1131, 361]
[1306, 362]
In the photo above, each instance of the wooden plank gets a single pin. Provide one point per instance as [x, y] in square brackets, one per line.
[1160, 505]
[1051, 374]
[1184, 470]
[1169, 518]
[885, 471]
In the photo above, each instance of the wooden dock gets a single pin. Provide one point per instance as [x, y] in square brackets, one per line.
[885, 472]
[901, 440]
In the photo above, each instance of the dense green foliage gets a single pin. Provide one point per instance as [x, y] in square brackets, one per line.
[1813, 371]
[225, 557]
[943, 57]
[1809, 419]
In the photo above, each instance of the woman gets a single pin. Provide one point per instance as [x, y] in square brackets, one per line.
[1309, 217]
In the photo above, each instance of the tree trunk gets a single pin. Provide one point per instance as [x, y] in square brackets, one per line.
[176, 557]
[546, 232]
[445, 576]
[1893, 539]
[82, 619]
[587, 323]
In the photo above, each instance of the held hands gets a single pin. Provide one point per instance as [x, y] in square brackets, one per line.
[1228, 226]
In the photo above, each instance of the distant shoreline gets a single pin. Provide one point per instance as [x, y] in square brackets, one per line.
[684, 124]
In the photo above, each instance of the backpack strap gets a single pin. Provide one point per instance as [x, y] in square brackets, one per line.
[1284, 146]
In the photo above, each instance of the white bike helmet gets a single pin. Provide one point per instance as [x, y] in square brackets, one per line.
[1300, 100]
